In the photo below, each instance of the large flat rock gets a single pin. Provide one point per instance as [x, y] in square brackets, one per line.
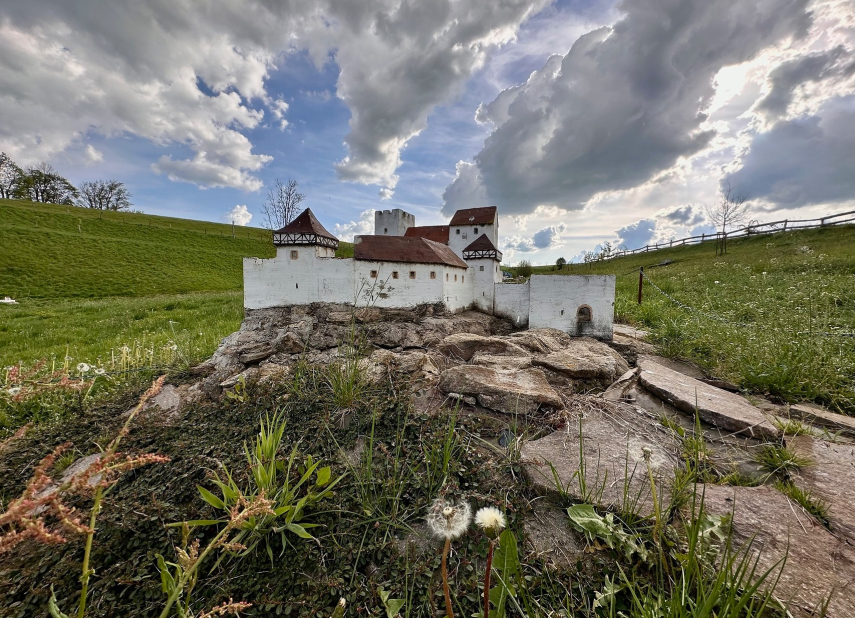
[541, 340]
[585, 358]
[465, 345]
[503, 390]
[714, 405]
[549, 536]
[817, 562]
[614, 440]
[830, 478]
[821, 417]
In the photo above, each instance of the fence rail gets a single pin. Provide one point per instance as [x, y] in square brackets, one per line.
[753, 229]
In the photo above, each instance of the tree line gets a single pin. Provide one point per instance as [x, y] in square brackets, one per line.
[42, 183]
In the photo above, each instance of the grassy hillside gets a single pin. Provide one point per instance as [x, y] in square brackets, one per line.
[768, 315]
[90, 284]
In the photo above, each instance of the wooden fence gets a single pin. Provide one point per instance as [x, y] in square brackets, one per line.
[753, 229]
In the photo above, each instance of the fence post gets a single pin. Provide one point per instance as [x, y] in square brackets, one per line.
[703, 237]
[640, 282]
[785, 224]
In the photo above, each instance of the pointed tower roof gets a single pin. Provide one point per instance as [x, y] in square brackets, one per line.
[482, 247]
[305, 229]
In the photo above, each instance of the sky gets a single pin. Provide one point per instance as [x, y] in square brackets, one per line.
[584, 121]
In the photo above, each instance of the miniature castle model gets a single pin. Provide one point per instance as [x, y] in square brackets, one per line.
[403, 265]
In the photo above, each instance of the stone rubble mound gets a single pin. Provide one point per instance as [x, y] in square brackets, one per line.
[606, 446]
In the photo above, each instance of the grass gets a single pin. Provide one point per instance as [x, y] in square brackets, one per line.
[779, 301]
[89, 284]
[777, 459]
[805, 498]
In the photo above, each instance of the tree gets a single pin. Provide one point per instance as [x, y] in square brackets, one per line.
[10, 176]
[606, 251]
[731, 210]
[281, 205]
[104, 195]
[560, 263]
[524, 269]
[42, 183]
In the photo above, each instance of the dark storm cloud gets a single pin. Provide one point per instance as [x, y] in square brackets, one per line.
[687, 215]
[803, 161]
[622, 105]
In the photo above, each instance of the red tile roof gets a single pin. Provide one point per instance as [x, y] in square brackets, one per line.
[306, 223]
[404, 249]
[474, 216]
[436, 233]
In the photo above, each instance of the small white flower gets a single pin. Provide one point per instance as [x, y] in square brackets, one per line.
[717, 282]
[14, 390]
[764, 272]
[491, 519]
[83, 368]
[99, 371]
[448, 520]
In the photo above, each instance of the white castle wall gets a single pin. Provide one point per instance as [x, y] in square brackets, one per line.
[512, 302]
[544, 301]
[555, 300]
[393, 222]
[387, 291]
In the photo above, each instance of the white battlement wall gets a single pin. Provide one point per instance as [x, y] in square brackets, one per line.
[393, 222]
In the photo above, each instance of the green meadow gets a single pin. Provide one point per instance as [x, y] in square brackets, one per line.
[116, 289]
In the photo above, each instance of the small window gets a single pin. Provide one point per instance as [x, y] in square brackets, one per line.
[455, 278]
[446, 276]
[412, 274]
[462, 278]
[294, 254]
[476, 230]
[458, 231]
[433, 274]
[481, 268]
[583, 314]
[373, 274]
[297, 286]
[385, 230]
[394, 274]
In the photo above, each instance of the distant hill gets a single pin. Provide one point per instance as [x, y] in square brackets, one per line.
[51, 251]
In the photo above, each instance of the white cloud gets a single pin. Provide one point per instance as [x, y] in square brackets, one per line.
[549, 236]
[637, 234]
[365, 225]
[93, 155]
[194, 75]
[239, 215]
[386, 193]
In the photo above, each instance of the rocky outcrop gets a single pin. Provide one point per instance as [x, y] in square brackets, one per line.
[817, 563]
[715, 406]
[584, 358]
[513, 392]
[610, 467]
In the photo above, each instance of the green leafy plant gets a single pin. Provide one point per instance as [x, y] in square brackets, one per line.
[392, 606]
[271, 476]
[585, 519]
[506, 563]
[778, 459]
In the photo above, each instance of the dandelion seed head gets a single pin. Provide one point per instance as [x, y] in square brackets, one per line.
[83, 368]
[449, 520]
[14, 390]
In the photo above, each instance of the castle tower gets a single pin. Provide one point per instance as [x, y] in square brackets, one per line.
[483, 259]
[393, 222]
[469, 224]
[305, 230]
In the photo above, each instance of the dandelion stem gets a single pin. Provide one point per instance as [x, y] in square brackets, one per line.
[445, 589]
[487, 579]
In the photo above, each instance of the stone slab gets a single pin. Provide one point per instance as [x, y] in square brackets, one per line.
[549, 536]
[821, 417]
[465, 345]
[585, 358]
[509, 391]
[614, 440]
[830, 478]
[715, 406]
[817, 562]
